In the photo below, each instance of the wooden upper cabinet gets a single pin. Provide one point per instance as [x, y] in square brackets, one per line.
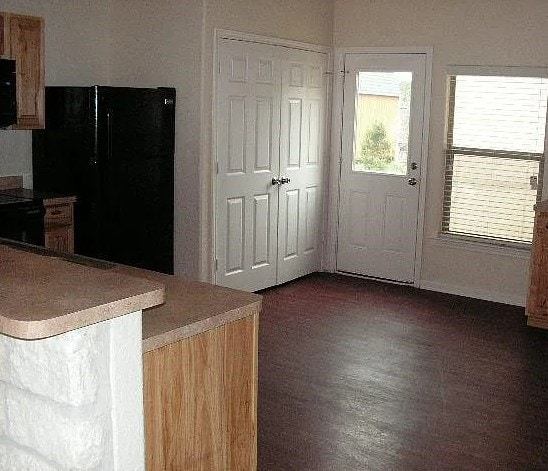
[4, 36]
[22, 39]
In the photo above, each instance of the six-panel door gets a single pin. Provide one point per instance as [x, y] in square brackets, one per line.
[248, 129]
[302, 140]
[270, 125]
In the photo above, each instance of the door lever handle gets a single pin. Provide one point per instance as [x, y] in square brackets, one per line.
[280, 181]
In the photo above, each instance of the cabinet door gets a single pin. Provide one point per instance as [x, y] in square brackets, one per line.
[59, 226]
[537, 301]
[60, 239]
[27, 48]
[4, 36]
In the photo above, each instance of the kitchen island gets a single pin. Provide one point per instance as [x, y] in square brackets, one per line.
[71, 370]
[200, 376]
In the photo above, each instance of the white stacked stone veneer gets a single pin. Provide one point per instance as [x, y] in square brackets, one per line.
[74, 401]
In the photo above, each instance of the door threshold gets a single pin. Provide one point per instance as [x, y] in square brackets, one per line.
[375, 278]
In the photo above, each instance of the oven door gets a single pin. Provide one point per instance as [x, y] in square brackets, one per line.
[24, 224]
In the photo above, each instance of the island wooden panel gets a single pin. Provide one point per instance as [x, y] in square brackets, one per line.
[241, 393]
[201, 401]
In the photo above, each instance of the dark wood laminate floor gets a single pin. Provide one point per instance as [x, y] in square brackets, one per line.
[360, 375]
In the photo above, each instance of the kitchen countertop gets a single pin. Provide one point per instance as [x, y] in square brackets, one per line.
[13, 186]
[46, 293]
[191, 307]
[42, 295]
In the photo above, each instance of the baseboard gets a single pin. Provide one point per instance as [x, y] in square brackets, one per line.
[496, 297]
[504, 298]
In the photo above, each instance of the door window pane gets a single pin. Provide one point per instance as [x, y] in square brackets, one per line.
[383, 102]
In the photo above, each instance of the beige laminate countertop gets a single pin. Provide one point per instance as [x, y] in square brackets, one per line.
[47, 293]
[191, 307]
[42, 295]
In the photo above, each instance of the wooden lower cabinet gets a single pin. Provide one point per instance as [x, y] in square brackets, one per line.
[59, 227]
[200, 398]
[537, 299]
[60, 240]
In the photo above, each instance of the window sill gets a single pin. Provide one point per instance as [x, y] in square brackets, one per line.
[454, 241]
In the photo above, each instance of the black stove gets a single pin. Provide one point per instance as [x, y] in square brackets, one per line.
[21, 219]
[10, 200]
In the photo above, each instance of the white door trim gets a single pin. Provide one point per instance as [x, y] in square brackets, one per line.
[208, 247]
[336, 147]
[255, 38]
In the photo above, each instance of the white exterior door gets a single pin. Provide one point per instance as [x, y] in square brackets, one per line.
[383, 115]
[269, 125]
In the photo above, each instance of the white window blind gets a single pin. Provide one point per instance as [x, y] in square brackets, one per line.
[494, 155]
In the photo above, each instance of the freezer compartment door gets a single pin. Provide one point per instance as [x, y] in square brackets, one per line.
[136, 123]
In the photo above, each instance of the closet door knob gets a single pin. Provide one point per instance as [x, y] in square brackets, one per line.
[284, 180]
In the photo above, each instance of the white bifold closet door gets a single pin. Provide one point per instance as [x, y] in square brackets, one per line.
[270, 145]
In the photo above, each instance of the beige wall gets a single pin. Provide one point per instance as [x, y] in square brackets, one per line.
[77, 53]
[468, 32]
[159, 43]
[301, 20]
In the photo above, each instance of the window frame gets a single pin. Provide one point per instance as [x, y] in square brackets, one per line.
[449, 151]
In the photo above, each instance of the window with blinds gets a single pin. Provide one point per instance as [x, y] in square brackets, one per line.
[494, 156]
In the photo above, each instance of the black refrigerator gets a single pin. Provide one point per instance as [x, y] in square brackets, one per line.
[112, 147]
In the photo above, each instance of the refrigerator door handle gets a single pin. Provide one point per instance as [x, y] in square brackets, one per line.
[109, 134]
[95, 120]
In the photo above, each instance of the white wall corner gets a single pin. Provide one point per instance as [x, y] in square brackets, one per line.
[126, 387]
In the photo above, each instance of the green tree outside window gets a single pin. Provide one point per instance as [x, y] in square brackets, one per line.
[377, 152]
